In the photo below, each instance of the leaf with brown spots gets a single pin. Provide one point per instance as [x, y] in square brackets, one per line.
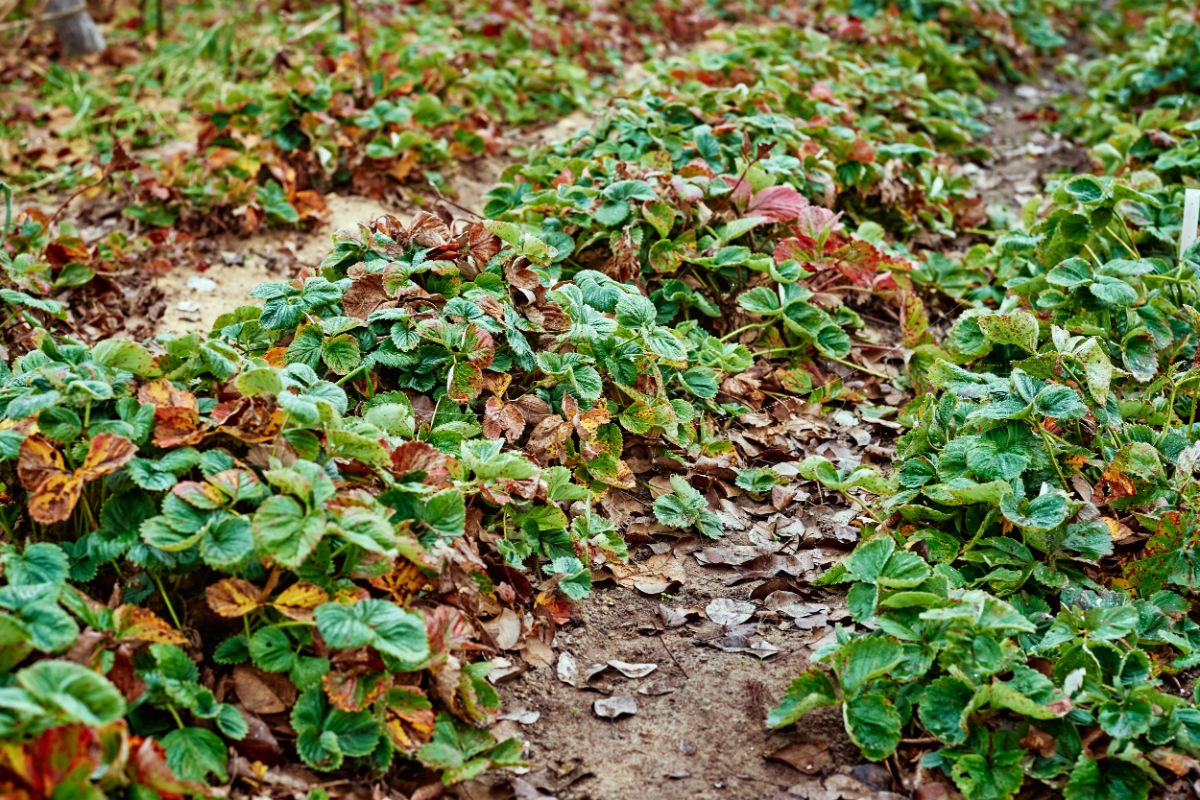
[500, 417]
[176, 414]
[53, 490]
[414, 457]
[55, 498]
[356, 688]
[148, 767]
[365, 295]
[38, 460]
[298, 600]
[409, 718]
[404, 581]
[106, 454]
[249, 419]
[134, 623]
[233, 597]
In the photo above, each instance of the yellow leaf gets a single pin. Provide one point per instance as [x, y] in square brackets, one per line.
[298, 600]
[233, 597]
[141, 624]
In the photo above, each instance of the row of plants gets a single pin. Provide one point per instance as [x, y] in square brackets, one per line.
[298, 109]
[1026, 584]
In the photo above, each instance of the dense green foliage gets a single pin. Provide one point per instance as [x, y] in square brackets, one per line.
[1029, 581]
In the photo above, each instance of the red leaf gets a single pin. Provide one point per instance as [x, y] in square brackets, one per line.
[777, 203]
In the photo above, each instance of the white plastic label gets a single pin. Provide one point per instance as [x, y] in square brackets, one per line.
[1191, 220]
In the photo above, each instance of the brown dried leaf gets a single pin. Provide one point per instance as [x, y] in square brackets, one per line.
[263, 692]
[233, 597]
[106, 454]
[806, 757]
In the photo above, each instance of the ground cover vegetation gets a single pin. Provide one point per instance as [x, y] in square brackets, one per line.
[317, 501]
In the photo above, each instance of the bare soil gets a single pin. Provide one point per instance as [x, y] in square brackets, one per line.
[1023, 153]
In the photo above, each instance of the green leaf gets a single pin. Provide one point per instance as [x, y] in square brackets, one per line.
[991, 769]
[446, 512]
[1113, 291]
[811, 690]
[231, 722]
[860, 660]
[629, 190]
[40, 562]
[612, 213]
[1111, 779]
[760, 300]
[1019, 328]
[682, 507]
[285, 532]
[873, 724]
[1060, 402]
[385, 626]
[1139, 355]
[76, 692]
[868, 560]
[227, 543]
[635, 311]
[904, 570]
[1084, 188]
[1098, 368]
[274, 202]
[1126, 720]
[61, 424]
[665, 344]
[193, 753]
[341, 354]
[464, 752]
[1043, 513]
[944, 707]
[126, 356]
[272, 650]
[1070, 274]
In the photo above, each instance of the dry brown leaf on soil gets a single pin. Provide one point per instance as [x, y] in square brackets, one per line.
[263, 692]
[805, 616]
[655, 575]
[614, 707]
[727, 612]
[567, 669]
[505, 629]
[632, 670]
[807, 757]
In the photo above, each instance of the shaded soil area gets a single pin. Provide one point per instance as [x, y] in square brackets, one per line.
[1023, 152]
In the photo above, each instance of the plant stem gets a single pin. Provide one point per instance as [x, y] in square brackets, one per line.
[744, 328]
[167, 601]
[6, 190]
[175, 714]
[858, 367]
[1053, 458]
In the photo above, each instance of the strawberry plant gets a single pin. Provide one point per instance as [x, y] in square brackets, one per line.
[1005, 613]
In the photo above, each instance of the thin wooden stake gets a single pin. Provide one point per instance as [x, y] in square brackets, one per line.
[76, 31]
[1191, 220]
